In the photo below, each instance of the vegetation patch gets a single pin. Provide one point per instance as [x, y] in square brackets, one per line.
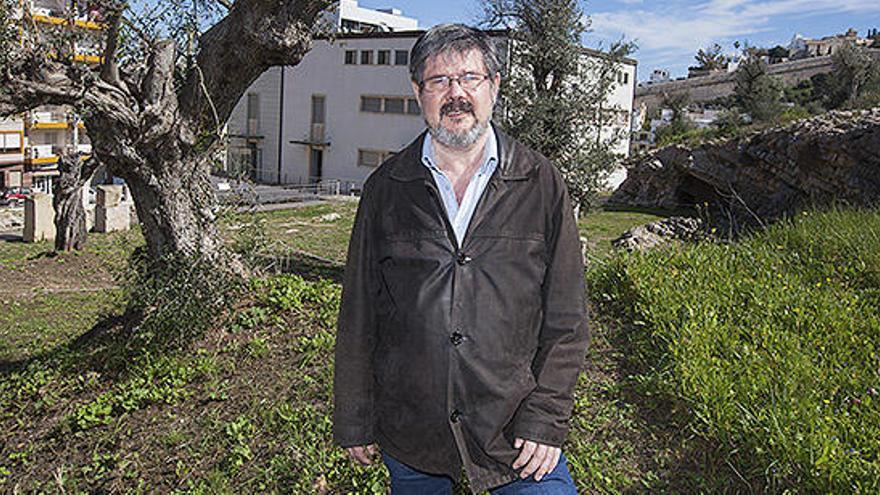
[770, 343]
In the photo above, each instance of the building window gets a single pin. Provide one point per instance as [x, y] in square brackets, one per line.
[390, 104]
[253, 114]
[401, 57]
[318, 109]
[371, 158]
[394, 105]
[253, 105]
[412, 107]
[366, 57]
[371, 104]
[383, 57]
[351, 57]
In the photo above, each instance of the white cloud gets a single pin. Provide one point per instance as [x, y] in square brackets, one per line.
[673, 31]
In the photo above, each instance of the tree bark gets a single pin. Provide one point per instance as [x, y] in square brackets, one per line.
[70, 215]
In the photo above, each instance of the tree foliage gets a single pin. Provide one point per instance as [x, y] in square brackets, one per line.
[855, 76]
[555, 96]
[757, 93]
[711, 58]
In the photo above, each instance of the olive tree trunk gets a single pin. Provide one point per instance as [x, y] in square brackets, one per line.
[70, 216]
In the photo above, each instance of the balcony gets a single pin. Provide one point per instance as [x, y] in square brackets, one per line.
[48, 118]
[42, 156]
[57, 12]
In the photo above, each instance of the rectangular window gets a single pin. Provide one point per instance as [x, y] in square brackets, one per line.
[317, 109]
[401, 57]
[253, 114]
[394, 105]
[253, 106]
[366, 57]
[371, 104]
[383, 57]
[412, 107]
[351, 57]
[369, 158]
[626, 78]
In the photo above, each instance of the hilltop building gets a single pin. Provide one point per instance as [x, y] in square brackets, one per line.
[801, 47]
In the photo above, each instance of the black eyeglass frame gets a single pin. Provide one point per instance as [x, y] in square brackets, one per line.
[450, 79]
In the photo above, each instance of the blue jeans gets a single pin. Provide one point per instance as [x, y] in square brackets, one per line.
[408, 481]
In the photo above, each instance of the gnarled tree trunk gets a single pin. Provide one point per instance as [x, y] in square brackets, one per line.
[70, 215]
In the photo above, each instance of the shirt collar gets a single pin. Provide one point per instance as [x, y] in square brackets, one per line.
[490, 152]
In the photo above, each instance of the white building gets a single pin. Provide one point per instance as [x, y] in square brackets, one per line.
[336, 115]
[349, 17]
[346, 107]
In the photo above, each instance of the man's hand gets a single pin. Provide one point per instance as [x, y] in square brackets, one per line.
[538, 459]
[364, 454]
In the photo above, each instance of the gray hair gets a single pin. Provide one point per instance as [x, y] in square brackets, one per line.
[455, 38]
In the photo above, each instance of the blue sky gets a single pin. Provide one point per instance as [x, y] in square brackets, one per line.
[669, 32]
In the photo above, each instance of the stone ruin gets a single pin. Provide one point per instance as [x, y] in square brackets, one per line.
[831, 159]
[109, 214]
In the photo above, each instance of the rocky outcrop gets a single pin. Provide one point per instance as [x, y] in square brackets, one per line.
[661, 232]
[830, 159]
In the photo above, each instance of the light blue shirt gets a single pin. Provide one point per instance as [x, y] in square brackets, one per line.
[459, 215]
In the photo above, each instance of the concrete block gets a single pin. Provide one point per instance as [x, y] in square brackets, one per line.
[39, 218]
[90, 217]
[109, 195]
[111, 219]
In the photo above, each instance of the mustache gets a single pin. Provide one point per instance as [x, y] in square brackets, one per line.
[457, 105]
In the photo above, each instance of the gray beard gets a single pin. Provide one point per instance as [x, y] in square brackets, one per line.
[458, 140]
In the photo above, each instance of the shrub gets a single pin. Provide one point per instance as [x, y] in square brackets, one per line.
[176, 299]
[772, 342]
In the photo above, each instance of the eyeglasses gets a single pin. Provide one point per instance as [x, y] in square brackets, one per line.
[468, 82]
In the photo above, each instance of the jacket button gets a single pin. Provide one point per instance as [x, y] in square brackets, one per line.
[455, 416]
[456, 338]
[462, 258]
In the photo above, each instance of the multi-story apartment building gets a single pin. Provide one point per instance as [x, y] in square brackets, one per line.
[347, 106]
[30, 144]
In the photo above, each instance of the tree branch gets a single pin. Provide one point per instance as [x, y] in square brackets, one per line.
[109, 66]
[255, 35]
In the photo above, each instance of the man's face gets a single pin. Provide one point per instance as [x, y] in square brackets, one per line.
[457, 117]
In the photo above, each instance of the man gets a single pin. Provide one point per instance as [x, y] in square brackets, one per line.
[463, 324]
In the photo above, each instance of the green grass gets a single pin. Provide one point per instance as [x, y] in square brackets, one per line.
[603, 225]
[708, 363]
[772, 344]
[302, 229]
[40, 321]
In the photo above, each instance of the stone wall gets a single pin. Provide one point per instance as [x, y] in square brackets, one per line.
[708, 88]
[830, 159]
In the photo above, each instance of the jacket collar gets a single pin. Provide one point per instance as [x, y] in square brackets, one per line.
[511, 166]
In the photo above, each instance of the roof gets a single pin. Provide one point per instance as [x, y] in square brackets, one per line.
[601, 54]
[415, 33]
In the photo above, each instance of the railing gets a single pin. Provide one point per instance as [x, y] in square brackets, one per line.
[328, 186]
[42, 151]
[48, 116]
[317, 186]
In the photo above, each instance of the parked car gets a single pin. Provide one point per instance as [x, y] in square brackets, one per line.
[14, 195]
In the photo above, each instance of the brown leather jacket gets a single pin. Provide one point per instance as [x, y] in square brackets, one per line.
[446, 353]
